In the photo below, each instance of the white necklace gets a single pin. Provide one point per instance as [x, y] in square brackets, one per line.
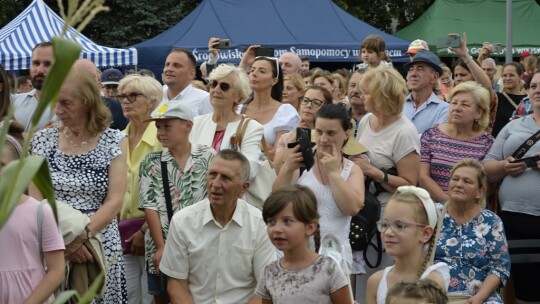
[83, 144]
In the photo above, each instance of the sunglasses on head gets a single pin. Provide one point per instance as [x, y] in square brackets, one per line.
[222, 85]
[274, 59]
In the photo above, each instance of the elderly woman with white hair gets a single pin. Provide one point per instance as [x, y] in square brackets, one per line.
[139, 95]
[229, 87]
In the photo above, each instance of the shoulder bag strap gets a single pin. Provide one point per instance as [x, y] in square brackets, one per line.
[526, 145]
[241, 130]
[265, 150]
[438, 231]
[40, 233]
[166, 187]
[510, 100]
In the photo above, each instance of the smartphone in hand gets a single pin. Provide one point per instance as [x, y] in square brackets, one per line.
[264, 52]
[448, 41]
[529, 161]
[303, 137]
[224, 44]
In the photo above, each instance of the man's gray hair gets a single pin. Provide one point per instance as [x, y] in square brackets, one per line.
[230, 154]
[490, 61]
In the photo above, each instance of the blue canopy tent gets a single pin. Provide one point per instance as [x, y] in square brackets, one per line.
[38, 23]
[318, 29]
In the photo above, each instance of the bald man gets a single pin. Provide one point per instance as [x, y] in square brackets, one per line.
[290, 63]
[119, 121]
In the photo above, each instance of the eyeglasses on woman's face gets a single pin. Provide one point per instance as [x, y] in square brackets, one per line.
[131, 97]
[314, 102]
[396, 226]
[223, 86]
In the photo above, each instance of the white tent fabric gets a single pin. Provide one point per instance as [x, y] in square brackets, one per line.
[39, 23]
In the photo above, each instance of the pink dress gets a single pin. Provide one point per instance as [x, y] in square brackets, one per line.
[20, 266]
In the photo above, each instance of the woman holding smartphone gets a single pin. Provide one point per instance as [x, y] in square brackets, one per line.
[519, 194]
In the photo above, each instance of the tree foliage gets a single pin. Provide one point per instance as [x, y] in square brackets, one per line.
[131, 22]
[386, 15]
[134, 21]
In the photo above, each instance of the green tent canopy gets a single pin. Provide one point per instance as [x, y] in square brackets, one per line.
[482, 20]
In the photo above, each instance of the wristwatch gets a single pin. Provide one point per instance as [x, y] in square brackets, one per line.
[385, 176]
[89, 233]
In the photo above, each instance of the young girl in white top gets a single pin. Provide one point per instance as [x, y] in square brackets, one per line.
[301, 275]
[419, 292]
[407, 230]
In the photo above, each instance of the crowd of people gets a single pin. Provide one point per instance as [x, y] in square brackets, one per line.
[163, 173]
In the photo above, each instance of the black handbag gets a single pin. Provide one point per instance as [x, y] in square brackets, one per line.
[364, 223]
[363, 232]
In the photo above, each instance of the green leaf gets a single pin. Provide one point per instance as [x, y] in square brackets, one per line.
[92, 291]
[14, 182]
[66, 52]
[65, 296]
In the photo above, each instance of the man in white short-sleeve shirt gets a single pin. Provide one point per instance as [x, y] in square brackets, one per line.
[25, 104]
[217, 248]
[178, 72]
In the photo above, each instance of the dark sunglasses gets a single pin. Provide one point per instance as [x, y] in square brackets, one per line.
[131, 97]
[222, 85]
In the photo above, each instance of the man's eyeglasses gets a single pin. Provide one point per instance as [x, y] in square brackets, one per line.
[131, 97]
[314, 102]
[271, 59]
[222, 85]
[110, 87]
[396, 226]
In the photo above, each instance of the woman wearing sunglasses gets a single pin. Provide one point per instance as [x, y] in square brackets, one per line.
[472, 240]
[228, 88]
[266, 82]
[139, 96]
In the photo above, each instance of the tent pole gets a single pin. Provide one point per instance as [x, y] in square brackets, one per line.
[509, 31]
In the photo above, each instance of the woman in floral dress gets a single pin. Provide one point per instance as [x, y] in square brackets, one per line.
[472, 240]
[88, 168]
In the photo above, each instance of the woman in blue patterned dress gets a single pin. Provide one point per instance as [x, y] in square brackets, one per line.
[472, 240]
[88, 168]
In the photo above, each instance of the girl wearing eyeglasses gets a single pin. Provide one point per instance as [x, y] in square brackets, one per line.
[407, 230]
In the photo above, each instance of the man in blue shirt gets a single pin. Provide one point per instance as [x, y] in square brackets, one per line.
[422, 106]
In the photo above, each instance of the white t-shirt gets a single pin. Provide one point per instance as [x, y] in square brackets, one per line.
[388, 146]
[196, 99]
[440, 267]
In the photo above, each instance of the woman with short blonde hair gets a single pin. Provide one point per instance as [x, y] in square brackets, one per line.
[464, 136]
[293, 90]
[139, 96]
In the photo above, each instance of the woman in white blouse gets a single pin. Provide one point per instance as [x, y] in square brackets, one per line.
[228, 88]
[266, 82]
